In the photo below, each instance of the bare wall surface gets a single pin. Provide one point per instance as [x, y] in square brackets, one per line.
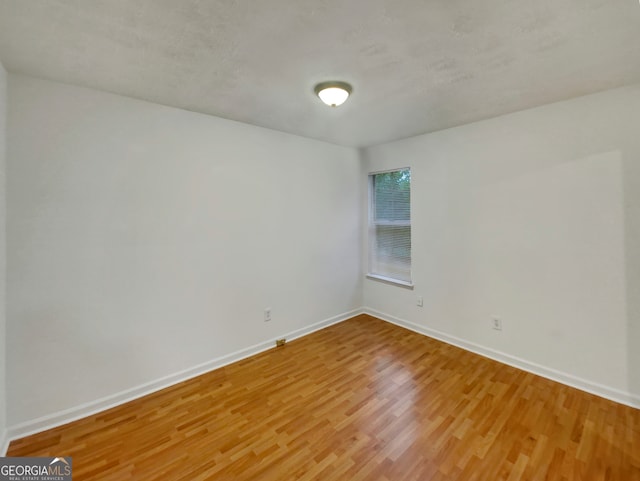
[3, 265]
[531, 218]
[631, 165]
[145, 240]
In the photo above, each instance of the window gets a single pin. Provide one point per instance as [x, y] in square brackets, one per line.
[390, 226]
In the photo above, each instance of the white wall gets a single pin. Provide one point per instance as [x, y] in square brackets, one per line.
[145, 240]
[532, 217]
[631, 184]
[3, 390]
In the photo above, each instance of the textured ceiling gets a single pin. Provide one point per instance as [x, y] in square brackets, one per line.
[416, 65]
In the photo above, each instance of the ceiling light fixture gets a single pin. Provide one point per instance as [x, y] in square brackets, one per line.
[333, 93]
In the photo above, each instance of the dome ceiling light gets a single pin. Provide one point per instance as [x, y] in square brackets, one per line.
[333, 93]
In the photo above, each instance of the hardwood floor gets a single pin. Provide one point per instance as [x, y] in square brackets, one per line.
[360, 400]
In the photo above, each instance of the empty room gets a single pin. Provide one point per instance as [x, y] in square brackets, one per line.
[320, 240]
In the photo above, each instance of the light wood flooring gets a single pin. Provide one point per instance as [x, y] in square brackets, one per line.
[360, 400]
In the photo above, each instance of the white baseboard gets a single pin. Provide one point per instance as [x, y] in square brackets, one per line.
[4, 442]
[601, 390]
[87, 409]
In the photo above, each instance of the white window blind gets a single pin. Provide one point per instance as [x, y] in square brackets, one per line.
[390, 225]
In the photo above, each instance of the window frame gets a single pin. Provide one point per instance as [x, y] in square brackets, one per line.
[372, 223]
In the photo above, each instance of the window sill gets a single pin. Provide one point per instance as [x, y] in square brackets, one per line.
[389, 280]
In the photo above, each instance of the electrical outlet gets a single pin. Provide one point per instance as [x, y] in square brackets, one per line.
[267, 314]
[420, 301]
[496, 324]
